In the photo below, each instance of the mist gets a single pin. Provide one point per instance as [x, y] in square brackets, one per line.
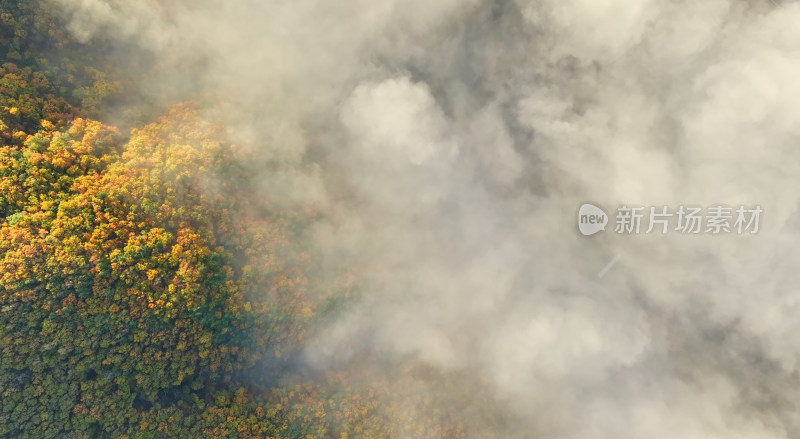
[449, 145]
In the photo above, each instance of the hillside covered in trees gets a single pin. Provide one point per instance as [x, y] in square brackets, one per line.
[143, 292]
[316, 219]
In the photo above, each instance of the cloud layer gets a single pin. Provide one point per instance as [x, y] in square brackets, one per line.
[450, 144]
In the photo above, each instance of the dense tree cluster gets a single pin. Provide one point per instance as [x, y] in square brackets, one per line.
[31, 36]
[117, 297]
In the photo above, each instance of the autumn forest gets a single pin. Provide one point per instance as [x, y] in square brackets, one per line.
[144, 293]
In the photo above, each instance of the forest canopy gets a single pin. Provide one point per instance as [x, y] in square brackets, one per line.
[143, 292]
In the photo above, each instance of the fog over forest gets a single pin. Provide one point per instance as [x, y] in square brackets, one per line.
[384, 198]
